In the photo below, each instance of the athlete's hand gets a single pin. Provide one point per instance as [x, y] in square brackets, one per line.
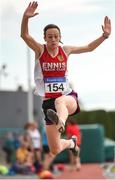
[106, 27]
[30, 11]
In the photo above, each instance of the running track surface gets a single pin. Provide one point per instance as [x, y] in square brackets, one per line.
[88, 171]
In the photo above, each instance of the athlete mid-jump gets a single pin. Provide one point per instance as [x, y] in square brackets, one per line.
[59, 100]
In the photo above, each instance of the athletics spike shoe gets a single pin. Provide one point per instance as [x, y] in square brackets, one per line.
[76, 149]
[52, 115]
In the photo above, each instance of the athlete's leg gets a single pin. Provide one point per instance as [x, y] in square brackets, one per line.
[48, 158]
[65, 105]
[56, 144]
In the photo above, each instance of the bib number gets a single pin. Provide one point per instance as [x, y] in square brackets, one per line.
[55, 85]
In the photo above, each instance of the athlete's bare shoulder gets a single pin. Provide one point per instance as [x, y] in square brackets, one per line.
[67, 50]
[39, 51]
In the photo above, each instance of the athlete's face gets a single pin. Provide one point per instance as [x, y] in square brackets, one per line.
[52, 37]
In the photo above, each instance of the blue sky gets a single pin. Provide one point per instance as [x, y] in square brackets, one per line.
[92, 74]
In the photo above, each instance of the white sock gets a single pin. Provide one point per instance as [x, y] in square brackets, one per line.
[72, 144]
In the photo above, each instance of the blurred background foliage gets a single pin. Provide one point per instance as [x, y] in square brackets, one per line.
[107, 119]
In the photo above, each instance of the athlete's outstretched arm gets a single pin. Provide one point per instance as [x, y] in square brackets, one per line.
[29, 13]
[94, 44]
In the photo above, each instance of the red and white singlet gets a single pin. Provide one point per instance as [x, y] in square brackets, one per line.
[50, 74]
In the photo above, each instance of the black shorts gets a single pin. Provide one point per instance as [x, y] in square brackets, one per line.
[50, 104]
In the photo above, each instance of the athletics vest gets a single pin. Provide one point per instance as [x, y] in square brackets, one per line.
[50, 74]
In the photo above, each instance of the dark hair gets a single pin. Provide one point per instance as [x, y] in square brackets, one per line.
[49, 26]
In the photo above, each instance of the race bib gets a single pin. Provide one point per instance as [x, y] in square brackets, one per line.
[55, 84]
